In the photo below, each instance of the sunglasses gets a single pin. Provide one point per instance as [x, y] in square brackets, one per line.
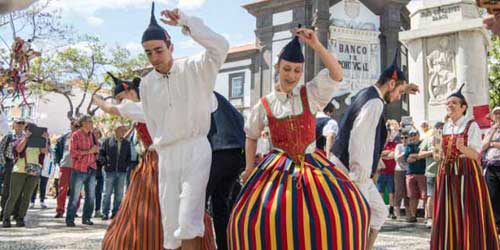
[21, 123]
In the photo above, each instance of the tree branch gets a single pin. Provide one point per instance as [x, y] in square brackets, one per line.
[89, 110]
[87, 84]
[12, 26]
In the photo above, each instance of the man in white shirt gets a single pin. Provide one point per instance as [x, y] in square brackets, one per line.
[176, 99]
[362, 136]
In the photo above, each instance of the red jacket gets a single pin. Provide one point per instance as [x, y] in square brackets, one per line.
[81, 141]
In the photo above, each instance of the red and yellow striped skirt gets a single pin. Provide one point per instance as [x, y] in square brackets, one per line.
[289, 206]
[463, 216]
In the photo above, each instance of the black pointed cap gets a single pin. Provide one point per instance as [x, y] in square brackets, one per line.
[122, 85]
[393, 71]
[292, 52]
[459, 94]
[154, 31]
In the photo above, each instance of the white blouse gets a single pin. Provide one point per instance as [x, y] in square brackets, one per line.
[319, 92]
[131, 110]
[474, 134]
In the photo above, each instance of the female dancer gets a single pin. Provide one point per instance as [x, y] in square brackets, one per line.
[463, 217]
[295, 198]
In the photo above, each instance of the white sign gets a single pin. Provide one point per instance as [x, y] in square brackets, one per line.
[359, 54]
[354, 40]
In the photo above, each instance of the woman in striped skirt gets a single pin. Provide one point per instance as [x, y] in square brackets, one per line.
[463, 217]
[295, 198]
[137, 225]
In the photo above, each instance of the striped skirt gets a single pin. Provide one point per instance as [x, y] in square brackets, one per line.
[287, 206]
[137, 225]
[463, 217]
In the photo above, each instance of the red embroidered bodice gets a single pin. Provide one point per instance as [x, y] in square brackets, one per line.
[449, 143]
[143, 133]
[294, 133]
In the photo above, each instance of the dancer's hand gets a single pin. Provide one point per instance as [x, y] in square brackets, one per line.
[172, 16]
[461, 145]
[412, 89]
[492, 22]
[98, 100]
[308, 37]
[244, 176]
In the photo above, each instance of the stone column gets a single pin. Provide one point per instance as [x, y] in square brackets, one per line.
[264, 35]
[390, 26]
[472, 67]
[321, 24]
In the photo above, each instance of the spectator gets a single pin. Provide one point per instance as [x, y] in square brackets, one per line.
[83, 149]
[7, 157]
[416, 184]
[131, 136]
[115, 153]
[491, 151]
[400, 194]
[393, 126]
[99, 178]
[25, 176]
[427, 148]
[47, 171]
[385, 179]
[62, 158]
[426, 130]
[326, 129]
[263, 146]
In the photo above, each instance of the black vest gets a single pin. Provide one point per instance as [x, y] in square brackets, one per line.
[320, 124]
[341, 146]
[226, 126]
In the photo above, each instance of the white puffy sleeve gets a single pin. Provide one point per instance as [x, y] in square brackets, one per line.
[255, 121]
[474, 137]
[320, 90]
[131, 110]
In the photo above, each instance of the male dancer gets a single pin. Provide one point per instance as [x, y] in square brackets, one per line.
[362, 133]
[176, 99]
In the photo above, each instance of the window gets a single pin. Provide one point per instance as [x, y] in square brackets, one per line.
[236, 85]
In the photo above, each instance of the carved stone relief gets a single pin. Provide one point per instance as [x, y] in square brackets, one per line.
[441, 68]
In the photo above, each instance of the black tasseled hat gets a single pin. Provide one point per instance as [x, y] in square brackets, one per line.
[154, 31]
[121, 85]
[459, 94]
[292, 52]
[393, 71]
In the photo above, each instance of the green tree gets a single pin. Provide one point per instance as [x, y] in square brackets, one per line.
[494, 72]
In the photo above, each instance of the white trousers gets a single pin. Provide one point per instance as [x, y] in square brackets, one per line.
[378, 209]
[183, 172]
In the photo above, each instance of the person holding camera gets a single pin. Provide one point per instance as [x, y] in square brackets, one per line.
[7, 157]
[491, 151]
[25, 177]
[416, 183]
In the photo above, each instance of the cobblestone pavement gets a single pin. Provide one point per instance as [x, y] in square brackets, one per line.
[43, 231]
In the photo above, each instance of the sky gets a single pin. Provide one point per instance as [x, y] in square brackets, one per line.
[123, 21]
